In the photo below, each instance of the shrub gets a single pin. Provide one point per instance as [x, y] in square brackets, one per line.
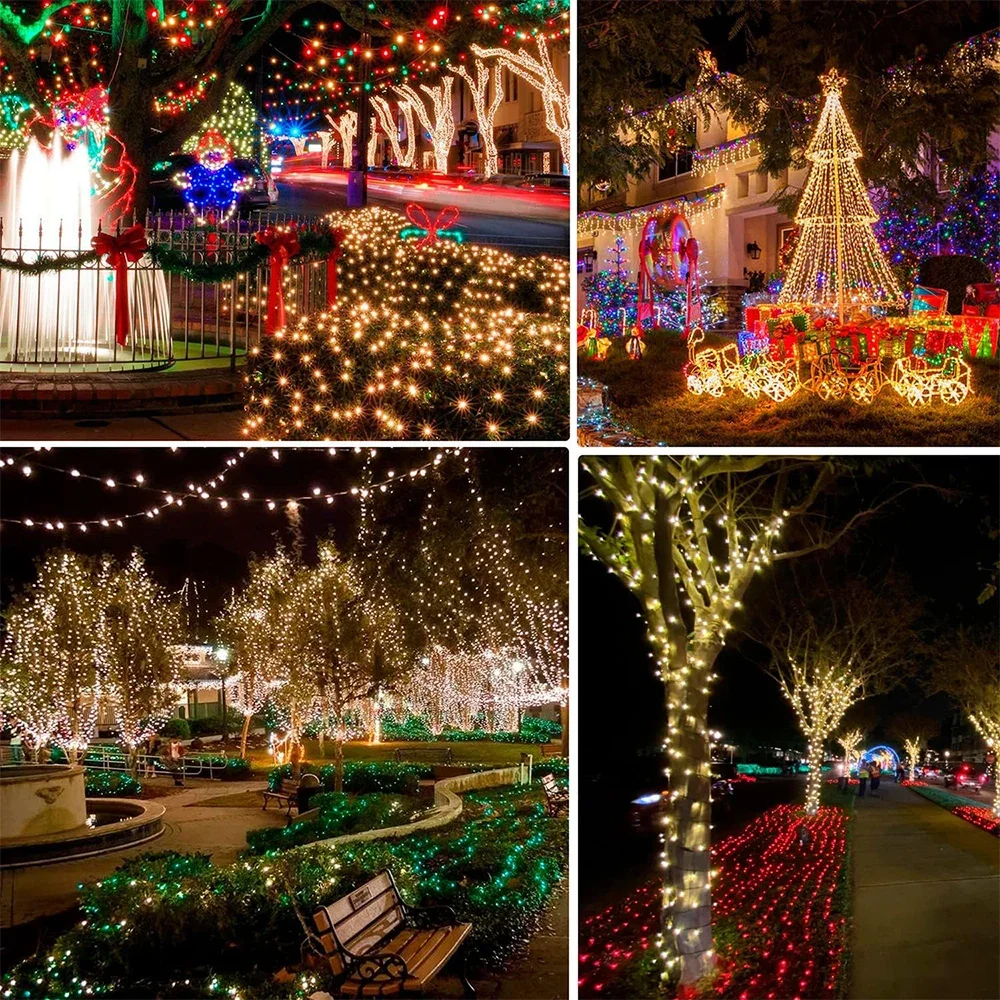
[173, 925]
[211, 725]
[339, 814]
[456, 319]
[178, 728]
[362, 777]
[413, 728]
[954, 272]
[539, 730]
[110, 784]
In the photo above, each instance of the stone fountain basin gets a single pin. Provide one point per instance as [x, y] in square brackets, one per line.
[45, 817]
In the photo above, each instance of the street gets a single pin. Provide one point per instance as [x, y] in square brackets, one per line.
[526, 222]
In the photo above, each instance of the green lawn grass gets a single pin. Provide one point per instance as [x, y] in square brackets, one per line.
[650, 396]
[465, 752]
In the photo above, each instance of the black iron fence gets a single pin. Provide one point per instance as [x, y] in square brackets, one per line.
[57, 298]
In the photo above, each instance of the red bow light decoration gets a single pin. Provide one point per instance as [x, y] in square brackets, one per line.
[431, 232]
[331, 267]
[282, 244]
[119, 250]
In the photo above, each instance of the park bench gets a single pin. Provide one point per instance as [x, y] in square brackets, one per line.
[287, 793]
[377, 945]
[556, 798]
[424, 755]
[551, 750]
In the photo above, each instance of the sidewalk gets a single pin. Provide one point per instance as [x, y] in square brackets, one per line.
[27, 894]
[927, 902]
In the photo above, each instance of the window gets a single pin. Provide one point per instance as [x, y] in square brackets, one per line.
[742, 185]
[760, 182]
[675, 162]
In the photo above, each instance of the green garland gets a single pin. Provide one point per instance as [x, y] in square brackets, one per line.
[311, 244]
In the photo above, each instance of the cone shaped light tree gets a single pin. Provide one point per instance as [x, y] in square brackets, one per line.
[837, 259]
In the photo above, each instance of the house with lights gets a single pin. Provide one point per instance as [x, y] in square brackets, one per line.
[728, 201]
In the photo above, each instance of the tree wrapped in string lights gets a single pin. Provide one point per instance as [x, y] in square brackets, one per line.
[850, 741]
[541, 74]
[253, 627]
[51, 685]
[383, 109]
[966, 668]
[137, 629]
[438, 119]
[837, 260]
[347, 639]
[487, 96]
[913, 730]
[832, 651]
[688, 536]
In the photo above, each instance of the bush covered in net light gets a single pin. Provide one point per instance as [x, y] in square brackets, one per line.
[444, 340]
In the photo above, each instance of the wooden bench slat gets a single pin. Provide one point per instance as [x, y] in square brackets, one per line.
[434, 962]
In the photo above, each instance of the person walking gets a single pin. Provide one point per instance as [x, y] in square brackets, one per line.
[175, 756]
[875, 772]
[863, 773]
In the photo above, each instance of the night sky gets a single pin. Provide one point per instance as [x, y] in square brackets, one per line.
[936, 537]
[203, 543]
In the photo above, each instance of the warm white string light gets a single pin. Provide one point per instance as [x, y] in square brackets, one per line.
[486, 106]
[438, 120]
[176, 500]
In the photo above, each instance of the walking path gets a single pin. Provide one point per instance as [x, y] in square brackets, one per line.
[927, 902]
[42, 890]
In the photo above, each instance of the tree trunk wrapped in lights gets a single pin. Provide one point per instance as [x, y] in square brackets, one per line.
[347, 128]
[137, 628]
[486, 106]
[849, 742]
[837, 259]
[439, 120]
[51, 680]
[688, 537]
[383, 109]
[253, 627]
[541, 74]
[831, 649]
[913, 729]
[967, 670]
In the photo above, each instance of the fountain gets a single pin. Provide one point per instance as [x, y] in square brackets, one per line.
[67, 315]
[45, 817]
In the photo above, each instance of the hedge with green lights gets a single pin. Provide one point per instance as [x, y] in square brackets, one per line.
[362, 777]
[339, 814]
[173, 925]
[448, 340]
[101, 784]
[414, 728]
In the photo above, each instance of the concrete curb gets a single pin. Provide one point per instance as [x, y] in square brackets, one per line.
[447, 806]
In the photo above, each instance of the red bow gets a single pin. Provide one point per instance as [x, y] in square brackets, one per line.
[282, 244]
[419, 217]
[119, 250]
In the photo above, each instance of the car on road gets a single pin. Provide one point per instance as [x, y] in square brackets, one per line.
[546, 182]
[645, 809]
[965, 775]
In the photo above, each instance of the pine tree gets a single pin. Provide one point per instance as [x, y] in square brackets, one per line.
[610, 291]
[837, 258]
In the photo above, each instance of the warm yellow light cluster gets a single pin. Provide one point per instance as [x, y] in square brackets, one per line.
[425, 341]
[837, 260]
[541, 74]
[714, 370]
[437, 118]
[920, 383]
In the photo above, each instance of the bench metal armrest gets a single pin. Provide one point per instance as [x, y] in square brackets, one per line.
[431, 916]
[377, 966]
